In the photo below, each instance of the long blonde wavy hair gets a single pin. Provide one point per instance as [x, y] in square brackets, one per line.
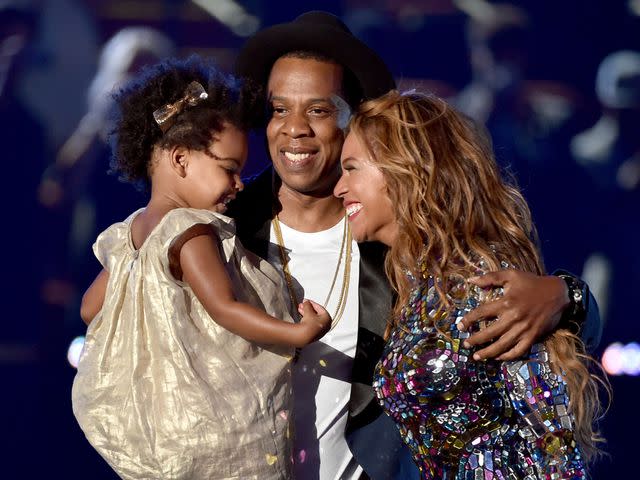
[452, 207]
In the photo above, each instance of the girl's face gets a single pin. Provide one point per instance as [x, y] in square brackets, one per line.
[213, 177]
[363, 191]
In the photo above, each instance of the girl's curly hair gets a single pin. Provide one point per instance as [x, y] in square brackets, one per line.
[135, 131]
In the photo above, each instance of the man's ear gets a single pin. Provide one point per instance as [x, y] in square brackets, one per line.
[179, 159]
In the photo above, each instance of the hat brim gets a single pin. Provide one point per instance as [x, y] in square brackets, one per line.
[262, 50]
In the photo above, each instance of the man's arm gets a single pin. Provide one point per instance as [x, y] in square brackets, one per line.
[582, 316]
[531, 307]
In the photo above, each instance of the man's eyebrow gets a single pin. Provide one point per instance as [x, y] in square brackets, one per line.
[278, 98]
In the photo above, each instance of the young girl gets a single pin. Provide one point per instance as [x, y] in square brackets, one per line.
[183, 374]
[419, 178]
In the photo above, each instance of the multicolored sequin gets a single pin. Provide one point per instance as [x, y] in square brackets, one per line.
[467, 419]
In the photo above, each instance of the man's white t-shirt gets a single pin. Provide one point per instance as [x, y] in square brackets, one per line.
[322, 373]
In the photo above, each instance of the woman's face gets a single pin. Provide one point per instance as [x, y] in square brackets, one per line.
[363, 191]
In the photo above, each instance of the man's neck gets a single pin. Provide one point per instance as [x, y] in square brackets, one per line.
[309, 213]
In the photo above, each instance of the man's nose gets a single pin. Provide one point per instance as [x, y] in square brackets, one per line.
[297, 125]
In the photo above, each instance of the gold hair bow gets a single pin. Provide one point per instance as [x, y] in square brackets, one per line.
[193, 95]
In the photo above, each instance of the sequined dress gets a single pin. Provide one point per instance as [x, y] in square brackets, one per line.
[163, 391]
[470, 420]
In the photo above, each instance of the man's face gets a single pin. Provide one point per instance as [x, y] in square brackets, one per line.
[305, 139]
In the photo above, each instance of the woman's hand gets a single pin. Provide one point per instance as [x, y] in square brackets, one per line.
[530, 308]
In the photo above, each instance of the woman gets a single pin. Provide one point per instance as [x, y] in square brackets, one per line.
[418, 177]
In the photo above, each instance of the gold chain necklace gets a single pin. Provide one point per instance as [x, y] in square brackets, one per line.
[342, 301]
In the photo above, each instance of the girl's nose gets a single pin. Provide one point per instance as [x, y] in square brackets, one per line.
[239, 185]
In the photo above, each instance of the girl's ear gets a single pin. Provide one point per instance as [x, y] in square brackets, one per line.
[179, 158]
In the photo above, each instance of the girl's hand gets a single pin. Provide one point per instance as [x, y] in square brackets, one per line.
[316, 321]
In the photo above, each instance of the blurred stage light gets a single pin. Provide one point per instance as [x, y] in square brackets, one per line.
[612, 359]
[634, 7]
[232, 14]
[619, 359]
[74, 351]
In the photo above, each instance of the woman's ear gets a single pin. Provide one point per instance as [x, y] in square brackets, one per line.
[179, 159]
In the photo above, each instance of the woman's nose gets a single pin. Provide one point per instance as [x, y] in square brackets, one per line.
[341, 187]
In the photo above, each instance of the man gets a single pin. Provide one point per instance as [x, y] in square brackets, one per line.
[315, 72]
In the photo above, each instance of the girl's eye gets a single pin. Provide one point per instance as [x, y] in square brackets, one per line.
[232, 170]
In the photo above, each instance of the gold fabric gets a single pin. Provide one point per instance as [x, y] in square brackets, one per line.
[162, 391]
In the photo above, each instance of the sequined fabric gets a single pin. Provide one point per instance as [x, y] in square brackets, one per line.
[162, 391]
[470, 420]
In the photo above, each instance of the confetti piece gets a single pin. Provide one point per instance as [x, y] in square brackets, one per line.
[271, 459]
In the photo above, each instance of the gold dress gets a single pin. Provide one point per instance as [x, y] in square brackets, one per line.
[164, 392]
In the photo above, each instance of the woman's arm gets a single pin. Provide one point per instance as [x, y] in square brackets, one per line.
[93, 298]
[202, 268]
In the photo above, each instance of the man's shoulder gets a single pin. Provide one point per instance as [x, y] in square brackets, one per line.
[255, 197]
[261, 180]
[252, 210]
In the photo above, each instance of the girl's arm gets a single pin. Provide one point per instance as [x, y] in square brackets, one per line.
[201, 266]
[93, 298]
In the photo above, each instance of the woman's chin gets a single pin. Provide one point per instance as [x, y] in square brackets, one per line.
[357, 235]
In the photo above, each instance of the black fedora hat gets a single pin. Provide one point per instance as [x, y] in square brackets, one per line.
[317, 32]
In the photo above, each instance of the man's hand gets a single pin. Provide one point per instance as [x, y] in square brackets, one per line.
[530, 308]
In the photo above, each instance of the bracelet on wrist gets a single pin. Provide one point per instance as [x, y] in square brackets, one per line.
[577, 290]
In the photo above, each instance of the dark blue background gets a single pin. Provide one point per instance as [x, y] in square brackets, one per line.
[577, 210]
